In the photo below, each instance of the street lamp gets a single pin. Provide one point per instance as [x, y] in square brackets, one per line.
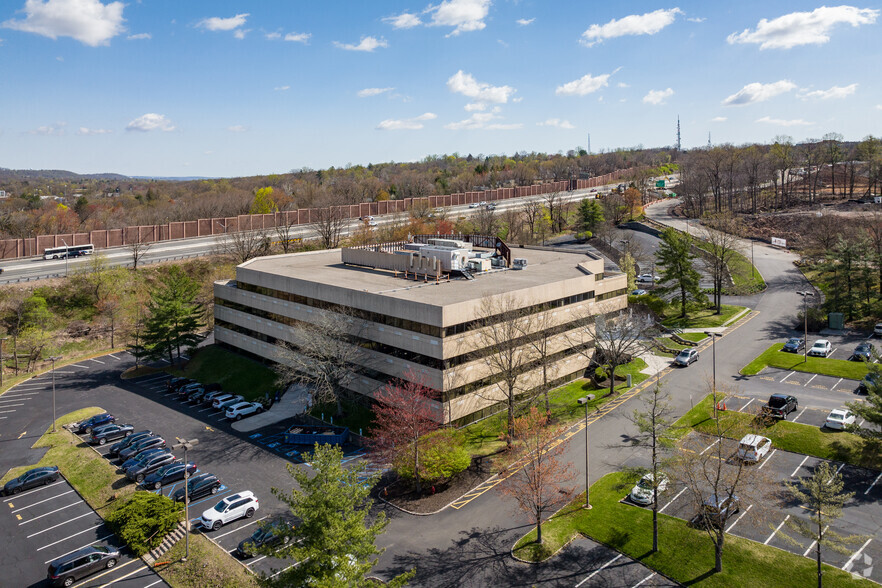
[2, 339]
[66, 256]
[186, 446]
[805, 295]
[53, 359]
[714, 337]
[752, 266]
[584, 402]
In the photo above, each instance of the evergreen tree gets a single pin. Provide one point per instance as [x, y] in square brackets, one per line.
[676, 262]
[590, 215]
[174, 317]
[870, 409]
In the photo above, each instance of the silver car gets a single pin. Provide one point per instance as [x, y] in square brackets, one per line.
[685, 357]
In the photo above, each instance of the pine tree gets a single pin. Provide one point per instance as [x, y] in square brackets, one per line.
[590, 215]
[174, 317]
[678, 273]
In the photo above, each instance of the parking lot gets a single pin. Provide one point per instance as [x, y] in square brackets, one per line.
[804, 415]
[45, 523]
[763, 519]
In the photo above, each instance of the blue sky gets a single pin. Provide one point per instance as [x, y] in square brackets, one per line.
[239, 88]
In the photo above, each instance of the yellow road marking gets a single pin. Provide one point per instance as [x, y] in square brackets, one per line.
[819, 387]
[794, 382]
[18, 517]
[207, 428]
[23, 434]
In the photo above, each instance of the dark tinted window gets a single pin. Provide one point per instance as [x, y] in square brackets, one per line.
[777, 401]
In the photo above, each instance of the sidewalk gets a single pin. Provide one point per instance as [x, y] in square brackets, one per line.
[293, 402]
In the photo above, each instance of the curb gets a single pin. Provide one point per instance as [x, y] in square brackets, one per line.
[737, 316]
[427, 514]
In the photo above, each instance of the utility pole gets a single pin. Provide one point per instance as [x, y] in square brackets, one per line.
[805, 295]
[186, 446]
[708, 140]
[584, 402]
[713, 337]
[53, 359]
[2, 339]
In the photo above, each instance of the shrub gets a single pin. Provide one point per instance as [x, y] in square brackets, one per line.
[144, 521]
[442, 456]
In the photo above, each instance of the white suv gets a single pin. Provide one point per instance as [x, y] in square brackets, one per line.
[821, 348]
[243, 504]
[877, 330]
[753, 448]
[243, 409]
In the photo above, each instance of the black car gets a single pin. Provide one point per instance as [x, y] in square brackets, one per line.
[197, 487]
[31, 479]
[173, 472]
[780, 405]
[154, 442]
[863, 352]
[270, 535]
[185, 391]
[139, 471]
[134, 437]
[176, 383]
[138, 459]
[96, 421]
[197, 395]
[69, 568]
[102, 435]
[794, 345]
[871, 379]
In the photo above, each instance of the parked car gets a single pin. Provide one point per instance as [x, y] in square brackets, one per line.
[133, 438]
[94, 422]
[639, 292]
[372, 223]
[140, 458]
[270, 535]
[243, 504]
[110, 432]
[185, 391]
[219, 399]
[716, 510]
[642, 278]
[69, 568]
[243, 409]
[139, 471]
[780, 405]
[643, 492]
[794, 345]
[210, 396]
[863, 352]
[821, 348]
[839, 418]
[31, 479]
[877, 330]
[197, 395]
[172, 472]
[870, 380]
[155, 442]
[225, 404]
[176, 383]
[753, 448]
[197, 487]
[686, 356]
[366, 218]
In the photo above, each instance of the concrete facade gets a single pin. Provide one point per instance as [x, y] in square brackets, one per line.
[436, 330]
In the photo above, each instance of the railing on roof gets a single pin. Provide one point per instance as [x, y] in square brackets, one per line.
[483, 241]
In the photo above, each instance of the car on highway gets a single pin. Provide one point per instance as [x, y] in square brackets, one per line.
[243, 409]
[110, 432]
[643, 493]
[639, 292]
[244, 504]
[871, 380]
[133, 438]
[31, 479]
[198, 486]
[69, 568]
[141, 470]
[228, 402]
[643, 278]
[839, 418]
[686, 356]
[821, 348]
[752, 448]
[864, 352]
[491, 206]
[794, 345]
[366, 218]
[780, 405]
[475, 205]
[137, 460]
[716, 510]
[270, 535]
[172, 472]
[94, 422]
[154, 442]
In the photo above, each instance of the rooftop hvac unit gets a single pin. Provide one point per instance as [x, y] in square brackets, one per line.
[519, 263]
[451, 259]
[456, 244]
[479, 265]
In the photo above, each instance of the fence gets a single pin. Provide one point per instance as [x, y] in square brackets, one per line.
[31, 246]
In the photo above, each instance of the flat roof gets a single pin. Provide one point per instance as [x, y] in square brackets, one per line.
[544, 266]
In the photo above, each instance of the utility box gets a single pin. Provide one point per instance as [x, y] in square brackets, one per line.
[836, 320]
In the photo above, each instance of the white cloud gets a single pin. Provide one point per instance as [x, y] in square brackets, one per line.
[281, 88]
[273, 36]
[585, 85]
[237, 129]
[368, 92]
[835, 92]
[556, 122]
[467, 85]
[88, 131]
[139, 36]
[366, 44]
[623, 85]
[525, 21]
[657, 96]
[463, 15]
[696, 19]
[406, 124]
[240, 33]
[481, 120]
[798, 122]
[803, 28]
[55, 130]
[298, 37]
[475, 107]
[150, 122]
[719, 119]
[215, 23]
[88, 21]
[757, 92]
[634, 24]
[879, 107]
[404, 20]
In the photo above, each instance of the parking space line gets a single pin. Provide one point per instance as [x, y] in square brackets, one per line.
[280, 571]
[22, 394]
[154, 583]
[649, 577]
[208, 498]
[787, 376]
[800, 413]
[873, 484]
[49, 513]
[254, 561]
[598, 570]
[6, 411]
[674, 498]
[141, 569]
[110, 571]
[775, 532]
[82, 367]
[709, 446]
[765, 461]
[96, 361]
[91, 512]
[813, 543]
[837, 383]
[855, 555]
[805, 459]
[741, 516]
[42, 501]
[842, 465]
[17, 496]
[236, 529]
[746, 405]
[69, 537]
[9, 405]
[810, 380]
[78, 548]
[114, 357]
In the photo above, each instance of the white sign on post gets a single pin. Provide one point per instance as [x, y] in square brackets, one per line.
[779, 242]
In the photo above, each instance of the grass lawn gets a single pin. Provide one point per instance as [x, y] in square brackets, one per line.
[206, 566]
[799, 438]
[774, 357]
[701, 318]
[236, 373]
[745, 278]
[686, 554]
[696, 337]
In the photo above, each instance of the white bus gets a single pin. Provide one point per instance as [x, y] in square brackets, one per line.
[65, 251]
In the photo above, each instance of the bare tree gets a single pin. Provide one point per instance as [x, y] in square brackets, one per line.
[138, 247]
[532, 214]
[486, 221]
[722, 246]
[243, 245]
[329, 224]
[285, 231]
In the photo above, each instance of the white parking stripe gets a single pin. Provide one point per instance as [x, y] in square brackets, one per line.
[154, 583]
[837, 383]
[106, 537]
[775, 532]
[6, 402]
[57, 373]
[842, 465]
[800, 414]
[216, 537]
[746, 405]
[64, 523]
[82, 367]
[673, 499]
[254, 561]
[787, 376]
[141, 569]
[110, 571]
[768, 457]
[37, 518]
[42, 501]
[31, 385]
[96, 361]
[280, 571]
[810, 380]
[741, 516]
[709, 446]
[805, 459]
[813, 543]
[598, 570]
[873, 484]
[17, 496]
[92, 528]
[855, 555]
[9, 405]
[649, 577]
[22, 394]
[113, 356]
[6, 411]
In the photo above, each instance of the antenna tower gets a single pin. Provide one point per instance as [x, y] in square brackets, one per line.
[678, 133]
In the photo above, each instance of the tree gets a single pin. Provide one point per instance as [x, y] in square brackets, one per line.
[174, 317]
[263, 202]
[405, 411]
[721, 245]
[871, 407]
[633, 198]
[541, 481]
[617, 337]
[110, 307]
[285, 231]
[590, 215]
[241, 246]
[675, 261]
[333, 543]
[833, 155]
[138, 247]
[328, 224]
[823, 498]
[629, 268]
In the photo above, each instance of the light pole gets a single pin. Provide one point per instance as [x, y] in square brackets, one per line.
[2, 339]
[186, 446]
[713, 337]
[53, 359]
[584, 402]
[752, 266]
[805, 295]
[66, 256]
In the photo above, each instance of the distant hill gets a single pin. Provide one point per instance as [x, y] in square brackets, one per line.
[172, 178]
[53, 174]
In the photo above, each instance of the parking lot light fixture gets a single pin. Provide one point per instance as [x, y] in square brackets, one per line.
[53, 359]
[186, 445]
[2, 339]
[584, 402]
[714, 337]
[805, 296]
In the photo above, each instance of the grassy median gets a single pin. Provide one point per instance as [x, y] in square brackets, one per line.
[704, 318]
[774, 357]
